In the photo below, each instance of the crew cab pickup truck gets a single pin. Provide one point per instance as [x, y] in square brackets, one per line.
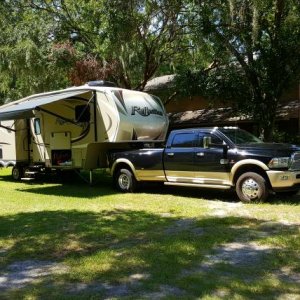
[218, 158]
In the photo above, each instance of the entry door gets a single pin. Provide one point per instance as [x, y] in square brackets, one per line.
[37, 142]
[179, 158]
[211, 164]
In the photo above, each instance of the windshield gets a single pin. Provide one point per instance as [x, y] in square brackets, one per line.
[239, 136]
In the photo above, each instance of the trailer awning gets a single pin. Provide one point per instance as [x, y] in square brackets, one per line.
[23, 109]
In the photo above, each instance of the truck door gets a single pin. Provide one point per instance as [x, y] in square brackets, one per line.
[179, 158]
[211, 164]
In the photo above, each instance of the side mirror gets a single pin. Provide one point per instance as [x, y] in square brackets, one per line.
[206, 142]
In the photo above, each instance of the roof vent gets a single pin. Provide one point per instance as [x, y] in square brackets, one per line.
[101, 83]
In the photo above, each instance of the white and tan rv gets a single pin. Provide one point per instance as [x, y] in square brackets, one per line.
[73, 128]
[7, 144]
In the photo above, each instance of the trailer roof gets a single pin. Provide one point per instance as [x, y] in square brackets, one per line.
[23, 108]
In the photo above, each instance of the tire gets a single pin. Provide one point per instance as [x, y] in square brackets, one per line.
[252, 187]
[17, 173]
[125, 181]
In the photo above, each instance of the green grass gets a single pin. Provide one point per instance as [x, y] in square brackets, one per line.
[159, 242]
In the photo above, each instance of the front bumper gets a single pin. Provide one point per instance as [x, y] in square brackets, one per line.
[284, 180]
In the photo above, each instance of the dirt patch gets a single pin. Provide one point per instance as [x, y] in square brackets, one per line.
[237, 254]
[184, 225]
[109, 291]
[22, 273]
[286, 274]
[163, 292]
[224, 209]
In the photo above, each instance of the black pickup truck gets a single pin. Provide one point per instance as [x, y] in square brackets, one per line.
[218, 158]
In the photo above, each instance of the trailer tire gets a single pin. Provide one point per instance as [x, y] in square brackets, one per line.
[125, 181]
[17, 173]
[252, 187]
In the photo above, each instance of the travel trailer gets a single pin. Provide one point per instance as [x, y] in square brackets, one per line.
[74, 128]
[7, 144]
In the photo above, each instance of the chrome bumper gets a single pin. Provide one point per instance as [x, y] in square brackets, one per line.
[281, 180]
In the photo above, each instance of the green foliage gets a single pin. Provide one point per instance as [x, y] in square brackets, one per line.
[26, 50]
[245, 52]
[137, 36]
[47, 44]
[254, 43]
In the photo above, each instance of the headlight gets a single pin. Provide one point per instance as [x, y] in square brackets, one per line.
[279, 162]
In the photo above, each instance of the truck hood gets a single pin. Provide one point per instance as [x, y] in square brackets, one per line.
[275, 149]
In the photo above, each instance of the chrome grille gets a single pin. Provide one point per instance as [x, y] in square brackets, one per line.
[295, 161]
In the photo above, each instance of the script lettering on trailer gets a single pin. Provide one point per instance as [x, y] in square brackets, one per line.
[145, 111]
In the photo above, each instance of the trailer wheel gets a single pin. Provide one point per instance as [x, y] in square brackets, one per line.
[17, 173]
[252, 187]
[125, 181]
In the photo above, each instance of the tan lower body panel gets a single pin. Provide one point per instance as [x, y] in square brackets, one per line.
[221, 178]
[150, 175]
[214, 186]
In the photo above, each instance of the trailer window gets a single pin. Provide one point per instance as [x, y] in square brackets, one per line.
[37, 126]
[183, 140]
[82, 113]
[1, 153]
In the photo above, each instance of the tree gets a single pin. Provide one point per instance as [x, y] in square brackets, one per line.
[134, 38]
[28, 55]
[255, 46]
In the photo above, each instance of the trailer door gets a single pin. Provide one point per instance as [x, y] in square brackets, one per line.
[37, 142]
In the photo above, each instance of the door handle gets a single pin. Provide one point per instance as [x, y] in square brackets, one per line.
[199, 154]
[170, 154]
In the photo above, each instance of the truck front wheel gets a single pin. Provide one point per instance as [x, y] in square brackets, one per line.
[125, 181]
[252, 187]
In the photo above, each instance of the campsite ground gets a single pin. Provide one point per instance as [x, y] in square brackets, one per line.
[67, 240]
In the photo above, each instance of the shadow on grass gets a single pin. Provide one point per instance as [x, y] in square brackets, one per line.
[114, 247]
[72, 185]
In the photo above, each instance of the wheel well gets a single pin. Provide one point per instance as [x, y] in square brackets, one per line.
[251, 168]
[120, 166]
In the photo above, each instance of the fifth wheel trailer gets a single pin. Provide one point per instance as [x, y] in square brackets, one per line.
[73, 128]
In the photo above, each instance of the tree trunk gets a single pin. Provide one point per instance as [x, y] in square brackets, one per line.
[266, 116]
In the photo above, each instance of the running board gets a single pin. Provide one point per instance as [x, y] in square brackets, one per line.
[200, 185]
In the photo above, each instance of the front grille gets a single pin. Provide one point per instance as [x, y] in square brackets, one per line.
[295, 161]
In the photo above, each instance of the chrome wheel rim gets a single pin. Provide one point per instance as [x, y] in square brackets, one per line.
[124, 182]
[251, 188]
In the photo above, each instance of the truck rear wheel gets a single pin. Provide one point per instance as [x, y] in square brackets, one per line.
[17, 173]
[252, 187]
[125, 181]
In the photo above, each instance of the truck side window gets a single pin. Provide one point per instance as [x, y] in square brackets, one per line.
[214, 139]
[37, 126]
[183, 140]
[1, 153]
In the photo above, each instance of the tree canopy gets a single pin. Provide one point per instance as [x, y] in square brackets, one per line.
[243, 51]
[254, 45]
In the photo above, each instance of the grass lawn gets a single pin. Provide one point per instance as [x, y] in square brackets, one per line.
[72, 241]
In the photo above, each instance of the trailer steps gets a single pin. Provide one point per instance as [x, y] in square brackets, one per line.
[29, 175]
[31, 172]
